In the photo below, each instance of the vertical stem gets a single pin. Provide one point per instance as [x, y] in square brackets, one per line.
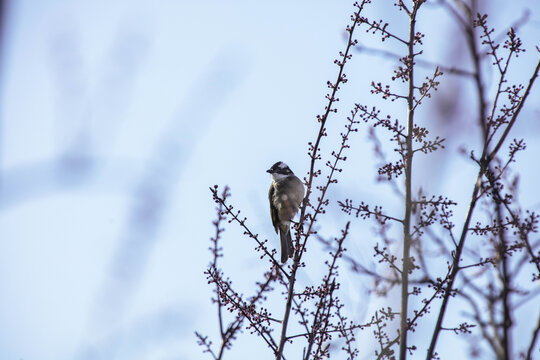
[533, 341]
[314, 156]
[505, 294]
[471, 41]
[455, 267]
[504, 274]
[408, 189]
[479, 84]
[290, 295]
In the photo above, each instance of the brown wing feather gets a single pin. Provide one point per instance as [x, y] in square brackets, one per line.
[273, 210]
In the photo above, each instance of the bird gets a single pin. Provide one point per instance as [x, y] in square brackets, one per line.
[285, 195]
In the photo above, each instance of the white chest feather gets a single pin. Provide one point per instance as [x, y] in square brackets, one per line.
[276, 176]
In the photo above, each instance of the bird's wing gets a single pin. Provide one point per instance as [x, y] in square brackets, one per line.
[299, 187]
[273, 210]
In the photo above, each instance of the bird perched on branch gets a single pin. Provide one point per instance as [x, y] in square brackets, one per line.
[285, 195]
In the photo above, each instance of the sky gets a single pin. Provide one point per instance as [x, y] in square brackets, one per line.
[116, 117]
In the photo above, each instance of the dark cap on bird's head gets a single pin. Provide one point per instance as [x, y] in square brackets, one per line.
[279, 168]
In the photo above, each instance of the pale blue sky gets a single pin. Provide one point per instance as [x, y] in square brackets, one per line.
[115, 119]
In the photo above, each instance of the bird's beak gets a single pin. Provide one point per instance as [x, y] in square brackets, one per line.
[269, 171]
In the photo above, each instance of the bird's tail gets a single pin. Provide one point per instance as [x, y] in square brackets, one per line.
[287, 249]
